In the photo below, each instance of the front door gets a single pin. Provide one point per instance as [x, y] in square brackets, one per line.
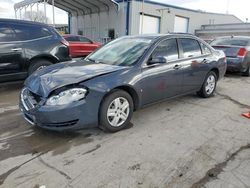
[160, 81]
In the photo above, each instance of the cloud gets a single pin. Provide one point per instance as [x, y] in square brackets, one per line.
[3, 10]
[239, 8]
[7, 9]
[7, 1]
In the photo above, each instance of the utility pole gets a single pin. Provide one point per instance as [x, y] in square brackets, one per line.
[228, 4]
[162, 11]
[45, 11]
[142, 18]
[53, 12]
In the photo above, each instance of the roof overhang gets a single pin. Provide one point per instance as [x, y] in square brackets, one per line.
[79, 6]
[25, 3]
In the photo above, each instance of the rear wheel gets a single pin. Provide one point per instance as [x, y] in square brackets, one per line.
[38, 65]
[247, 72]
[209, 85]
[116, 111]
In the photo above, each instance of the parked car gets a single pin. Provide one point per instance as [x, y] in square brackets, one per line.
[237, 50]
[122, 76]
[81, 46]
[28, 46]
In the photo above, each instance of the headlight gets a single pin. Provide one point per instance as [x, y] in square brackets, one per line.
[67, 96]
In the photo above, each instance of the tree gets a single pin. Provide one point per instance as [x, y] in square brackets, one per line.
[36, 16]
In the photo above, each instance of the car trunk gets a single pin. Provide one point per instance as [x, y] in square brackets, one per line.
[230, 51]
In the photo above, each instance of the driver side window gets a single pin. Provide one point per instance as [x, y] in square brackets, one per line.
[167, 49]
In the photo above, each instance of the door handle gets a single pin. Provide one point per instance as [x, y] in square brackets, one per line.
[204, 61]
[177, 66]
[16, 49]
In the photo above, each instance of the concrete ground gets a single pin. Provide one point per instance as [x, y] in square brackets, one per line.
[186, 142]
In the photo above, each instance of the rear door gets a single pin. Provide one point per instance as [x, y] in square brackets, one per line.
[194, 63]
[11, 51]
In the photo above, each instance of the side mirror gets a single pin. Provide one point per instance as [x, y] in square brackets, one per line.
[157, 60]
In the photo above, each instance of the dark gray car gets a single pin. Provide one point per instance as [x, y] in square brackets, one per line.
[237, 50]
[27, 46]
[123, 76]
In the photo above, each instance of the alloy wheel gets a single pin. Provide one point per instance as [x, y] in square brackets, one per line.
[210, 84]
[41, 67]
[118, 111]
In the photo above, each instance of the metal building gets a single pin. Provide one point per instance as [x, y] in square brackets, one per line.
[102, 20]
[209, 32]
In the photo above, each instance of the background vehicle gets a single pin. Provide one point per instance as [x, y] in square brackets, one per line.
[80, 46]
[237, 50]
[28, 46]
[124, 75]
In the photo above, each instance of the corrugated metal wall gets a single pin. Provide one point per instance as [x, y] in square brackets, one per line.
[96, 26]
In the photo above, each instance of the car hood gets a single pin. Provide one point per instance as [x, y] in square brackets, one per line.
[45, 81]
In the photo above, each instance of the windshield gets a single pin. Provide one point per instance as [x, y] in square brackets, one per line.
[230, 42]
[122, 51]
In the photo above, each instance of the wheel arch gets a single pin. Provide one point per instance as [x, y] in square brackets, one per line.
[216, 71]
[130, 90]
[50, 58]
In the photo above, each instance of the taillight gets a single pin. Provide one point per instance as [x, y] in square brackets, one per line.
[242, 52]
[64, 42]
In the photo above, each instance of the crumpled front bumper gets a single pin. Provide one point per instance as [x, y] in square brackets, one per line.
[77, 115]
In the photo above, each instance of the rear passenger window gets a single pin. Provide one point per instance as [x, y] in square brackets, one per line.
[167, 49]
[29, 32]
[205, 49]
[72, 39]
[84, 39]
[191, 48]
[6, 33]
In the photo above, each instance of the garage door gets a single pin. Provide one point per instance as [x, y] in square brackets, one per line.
[151, 24]
[181, 24]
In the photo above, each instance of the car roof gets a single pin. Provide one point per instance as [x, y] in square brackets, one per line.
[15, 21]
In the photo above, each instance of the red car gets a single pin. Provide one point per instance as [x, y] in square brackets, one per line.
[80, 46]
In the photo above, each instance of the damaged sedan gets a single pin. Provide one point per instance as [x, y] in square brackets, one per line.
[104, 89]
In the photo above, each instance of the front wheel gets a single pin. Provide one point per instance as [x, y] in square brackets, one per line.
[116, 111]
[38, 65]
[209, 85]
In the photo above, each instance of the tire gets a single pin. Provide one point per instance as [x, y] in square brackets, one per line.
[207, 90]
[112, 117]
[247, 72]
[38, 65]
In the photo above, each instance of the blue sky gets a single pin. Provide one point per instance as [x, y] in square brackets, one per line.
[240, 8]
